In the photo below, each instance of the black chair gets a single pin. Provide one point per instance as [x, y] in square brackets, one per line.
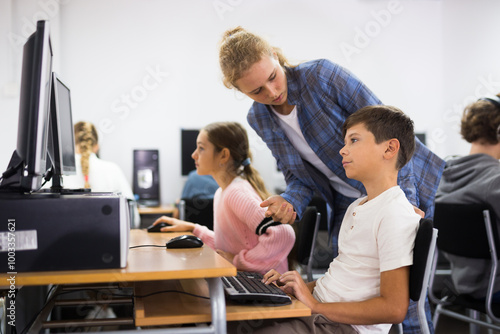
[197, 210]
[420, 271]
[467, 231]
[306, 231]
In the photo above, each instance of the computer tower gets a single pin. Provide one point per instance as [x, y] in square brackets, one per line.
[51, 232]
[147, 177]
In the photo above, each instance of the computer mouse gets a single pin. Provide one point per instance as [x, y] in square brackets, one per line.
[157, 227]
[184, 241]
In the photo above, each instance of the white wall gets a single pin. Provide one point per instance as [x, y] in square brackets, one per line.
[142, 70]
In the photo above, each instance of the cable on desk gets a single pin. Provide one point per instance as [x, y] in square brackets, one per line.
[161, 246]
[165, 291]
[133, 295]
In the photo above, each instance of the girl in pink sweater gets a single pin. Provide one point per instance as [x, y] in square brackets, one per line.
[242, 234]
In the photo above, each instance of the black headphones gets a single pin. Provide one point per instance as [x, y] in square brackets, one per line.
[493, 99]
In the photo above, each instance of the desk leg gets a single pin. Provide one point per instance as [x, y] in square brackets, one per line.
[218, 304]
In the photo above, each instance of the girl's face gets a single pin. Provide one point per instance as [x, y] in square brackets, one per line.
[264, 82]
[205, 157]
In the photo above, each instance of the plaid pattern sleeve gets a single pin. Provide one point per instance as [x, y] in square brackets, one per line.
[325, 94]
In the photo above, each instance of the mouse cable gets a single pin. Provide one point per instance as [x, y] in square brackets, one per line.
[134, 295]
[161, 246]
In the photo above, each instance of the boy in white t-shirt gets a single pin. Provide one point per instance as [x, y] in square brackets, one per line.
[366, 288]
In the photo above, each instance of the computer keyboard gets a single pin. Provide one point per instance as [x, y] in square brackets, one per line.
[247, 287]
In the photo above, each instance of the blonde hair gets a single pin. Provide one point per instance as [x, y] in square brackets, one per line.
[239, 50]
[85, 139]
[233, 136]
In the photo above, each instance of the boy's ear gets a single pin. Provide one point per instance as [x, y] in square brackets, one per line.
[392, 149]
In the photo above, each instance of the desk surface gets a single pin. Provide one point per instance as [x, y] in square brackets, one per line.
[144, 264]
[172, 308]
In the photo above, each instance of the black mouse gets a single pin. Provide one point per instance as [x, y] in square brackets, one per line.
[184, 241]
[157, 227]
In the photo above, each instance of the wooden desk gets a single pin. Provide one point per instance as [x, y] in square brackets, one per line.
[151, 264]
[152, 269]
[144, 264]
[173, 308]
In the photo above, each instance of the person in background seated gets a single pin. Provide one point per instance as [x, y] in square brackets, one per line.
[366, 288]
[242, 234]
[202, 186]
[475, 179]
[197, 186]
[94, 173]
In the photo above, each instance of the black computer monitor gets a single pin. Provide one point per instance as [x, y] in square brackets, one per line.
[188, 145]
[61, 138]
[28, 163]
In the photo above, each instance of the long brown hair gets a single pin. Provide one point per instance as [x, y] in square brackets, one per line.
[239, 50]
[233, 136]
[85, 139]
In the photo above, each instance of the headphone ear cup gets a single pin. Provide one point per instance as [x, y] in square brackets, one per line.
[493, 99]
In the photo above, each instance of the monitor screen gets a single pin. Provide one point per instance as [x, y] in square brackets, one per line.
[61, 138]
[28, 163]
[188, 145]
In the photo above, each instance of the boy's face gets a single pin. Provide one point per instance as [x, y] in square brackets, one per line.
[361, 155]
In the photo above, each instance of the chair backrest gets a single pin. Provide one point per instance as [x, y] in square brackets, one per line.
[423, 254]
[198, 210]
[305, 234]
[306, 230]
[462, 229]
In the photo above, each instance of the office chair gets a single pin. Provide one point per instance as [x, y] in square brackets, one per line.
[466, 230]
[420, 271]
[306, 231]
[197, 210]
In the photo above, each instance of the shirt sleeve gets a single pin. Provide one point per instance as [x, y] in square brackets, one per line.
[396, 239]
[296, 193]
[205, 234]
[272, 247]
[344, 87]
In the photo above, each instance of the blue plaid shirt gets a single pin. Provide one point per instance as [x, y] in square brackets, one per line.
[325, 94]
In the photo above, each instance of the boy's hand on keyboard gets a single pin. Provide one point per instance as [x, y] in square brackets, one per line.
[295, 285]
[272, 276]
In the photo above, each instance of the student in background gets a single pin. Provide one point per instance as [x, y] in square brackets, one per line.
[95, 173]
[197, 186]
[298, 111]
[202, 186]
[242, 234]
[366, 288]
[475, 179]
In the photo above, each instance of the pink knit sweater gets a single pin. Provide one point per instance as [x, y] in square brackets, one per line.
[237, 213]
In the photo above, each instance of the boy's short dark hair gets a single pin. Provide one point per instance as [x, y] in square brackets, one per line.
[386, 122]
